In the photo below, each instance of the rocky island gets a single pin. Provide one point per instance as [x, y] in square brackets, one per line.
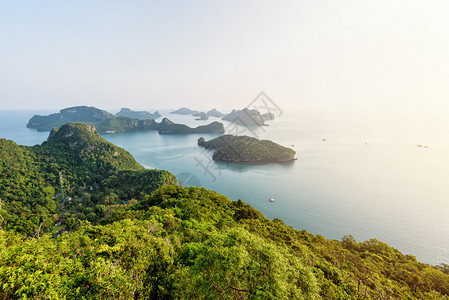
[105, 122]
[245, 149]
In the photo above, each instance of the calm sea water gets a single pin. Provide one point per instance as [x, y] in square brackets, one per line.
[368, 179]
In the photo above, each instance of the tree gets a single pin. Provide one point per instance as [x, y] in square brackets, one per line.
[237, 264]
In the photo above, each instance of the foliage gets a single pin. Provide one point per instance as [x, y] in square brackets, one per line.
[81, 150]
[26, 192]
[128, 184]
[237, 264]
[194, 243]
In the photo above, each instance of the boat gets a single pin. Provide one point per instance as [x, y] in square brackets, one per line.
[271, 200]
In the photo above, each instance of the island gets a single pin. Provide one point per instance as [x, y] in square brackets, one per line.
[105, 122]
[74, 114]
[248, 117]
[245, 149]
[168, 127]
[202, 116]
[141, 115]
[185, 111]
[215, 113]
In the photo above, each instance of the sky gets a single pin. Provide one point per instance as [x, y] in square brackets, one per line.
[368, 56]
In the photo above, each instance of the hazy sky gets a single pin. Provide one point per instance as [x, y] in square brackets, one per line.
[347, 55]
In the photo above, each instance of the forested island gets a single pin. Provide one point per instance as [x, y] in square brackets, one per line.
[245, 149]
[84, 114]
[141, 115]
[105, 122]
[81, 219]
[168, 127]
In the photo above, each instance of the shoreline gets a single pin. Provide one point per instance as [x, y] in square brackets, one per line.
[256, 162]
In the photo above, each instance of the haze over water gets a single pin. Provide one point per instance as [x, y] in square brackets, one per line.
[368, 179]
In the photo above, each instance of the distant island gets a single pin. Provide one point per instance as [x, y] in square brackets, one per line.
[124, 124]
[141, 115]
[106, 122]
[168, 127]
[245, 149]
[215, 113]
[248, 117]
[83, 114]
[184, 111]
[201, 114]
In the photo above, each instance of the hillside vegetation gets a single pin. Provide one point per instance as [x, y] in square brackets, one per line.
[194, 243]
[91, 168]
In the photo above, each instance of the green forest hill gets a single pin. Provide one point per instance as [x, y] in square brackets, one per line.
[246, 149]
[30, 176]
[123, 232]
[105, 122]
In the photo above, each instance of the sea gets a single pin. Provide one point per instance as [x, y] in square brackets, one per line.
[383, 177]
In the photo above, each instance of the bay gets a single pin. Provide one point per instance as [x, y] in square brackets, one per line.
[368, 178]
